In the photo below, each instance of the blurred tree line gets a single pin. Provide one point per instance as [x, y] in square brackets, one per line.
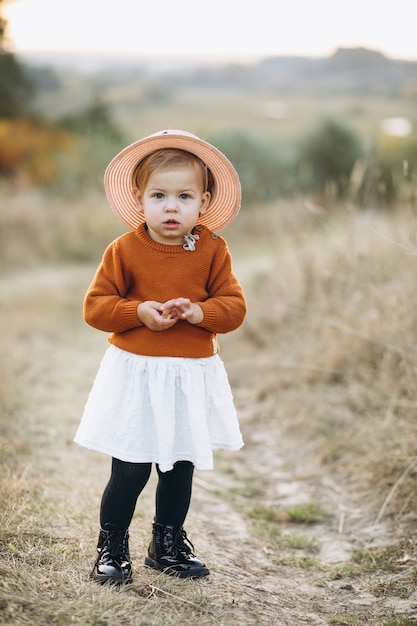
[35, 151]
[330, 164]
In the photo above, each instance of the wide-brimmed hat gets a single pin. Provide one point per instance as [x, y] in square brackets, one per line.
[118, 178]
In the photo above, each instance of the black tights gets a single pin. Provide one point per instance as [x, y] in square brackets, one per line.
[127, 481]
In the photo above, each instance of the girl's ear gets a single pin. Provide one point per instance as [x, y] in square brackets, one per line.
[138, 199]
[205, 201]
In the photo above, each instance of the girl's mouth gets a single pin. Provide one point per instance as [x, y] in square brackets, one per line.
[171, 224]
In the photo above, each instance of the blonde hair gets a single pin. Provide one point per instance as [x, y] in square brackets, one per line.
[171, 158]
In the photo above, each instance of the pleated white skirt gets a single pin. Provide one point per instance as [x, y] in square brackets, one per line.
[161, 410]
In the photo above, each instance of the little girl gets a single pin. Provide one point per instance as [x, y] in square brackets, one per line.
[164, 291]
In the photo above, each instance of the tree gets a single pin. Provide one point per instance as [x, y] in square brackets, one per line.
[15, 85]
[328, 156]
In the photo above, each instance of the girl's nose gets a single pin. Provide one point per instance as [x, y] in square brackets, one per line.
[171, 204]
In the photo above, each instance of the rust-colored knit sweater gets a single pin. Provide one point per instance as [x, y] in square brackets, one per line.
[135, 269]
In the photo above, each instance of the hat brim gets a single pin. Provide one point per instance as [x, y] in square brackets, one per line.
[118, 178]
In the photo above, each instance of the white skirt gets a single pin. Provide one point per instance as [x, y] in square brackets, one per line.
[145, 409]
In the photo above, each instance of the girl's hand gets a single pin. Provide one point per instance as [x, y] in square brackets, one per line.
[183, 309]
[151, 315]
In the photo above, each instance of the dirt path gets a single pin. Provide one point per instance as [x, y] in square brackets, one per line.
[249, 584]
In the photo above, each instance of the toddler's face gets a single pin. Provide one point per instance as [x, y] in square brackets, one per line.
[172, 202]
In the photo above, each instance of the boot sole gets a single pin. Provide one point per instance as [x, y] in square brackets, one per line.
[191, 573]
[109, 580]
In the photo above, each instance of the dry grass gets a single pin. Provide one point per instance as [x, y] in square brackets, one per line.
[336, 314]
[324, 374]
[37, 228]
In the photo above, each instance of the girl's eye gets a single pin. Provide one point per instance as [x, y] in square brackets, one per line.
[184, 196]
[159, 195]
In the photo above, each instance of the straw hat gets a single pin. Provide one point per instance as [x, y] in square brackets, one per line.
[118, 178]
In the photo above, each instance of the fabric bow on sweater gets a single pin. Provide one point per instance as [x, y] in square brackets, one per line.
[190, 240]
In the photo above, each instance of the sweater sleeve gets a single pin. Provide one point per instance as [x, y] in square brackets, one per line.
[107, 305]
[225, 308]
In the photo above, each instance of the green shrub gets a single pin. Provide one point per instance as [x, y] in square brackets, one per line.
[266, 171]
[327, 157]
[390, 172]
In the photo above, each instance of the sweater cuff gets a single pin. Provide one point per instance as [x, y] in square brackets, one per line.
[210, 316]
[130, 314]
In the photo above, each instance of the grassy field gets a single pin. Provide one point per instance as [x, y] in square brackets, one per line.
[313, 522]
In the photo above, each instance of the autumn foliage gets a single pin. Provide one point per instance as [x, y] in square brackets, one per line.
[30, 151]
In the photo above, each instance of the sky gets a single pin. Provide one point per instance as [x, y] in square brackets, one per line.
[217, 29]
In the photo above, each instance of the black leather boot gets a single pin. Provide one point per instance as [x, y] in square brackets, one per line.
[168, 552]
[113, 563]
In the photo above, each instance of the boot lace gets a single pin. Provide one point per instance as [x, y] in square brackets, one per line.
[182, 544]
[115, 547]
[118, 545]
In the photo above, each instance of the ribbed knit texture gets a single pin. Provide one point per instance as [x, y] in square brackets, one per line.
[135, 269]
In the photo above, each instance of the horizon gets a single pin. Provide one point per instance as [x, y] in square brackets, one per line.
[197, 58]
